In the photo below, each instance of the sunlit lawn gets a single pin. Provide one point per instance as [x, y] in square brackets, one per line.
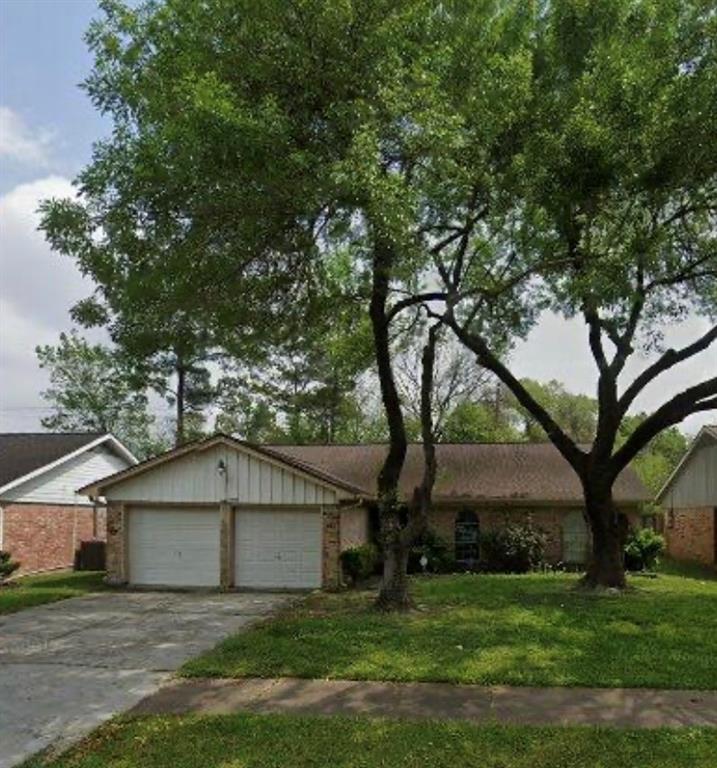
[519, 630]
[263, 741]
[28, 591]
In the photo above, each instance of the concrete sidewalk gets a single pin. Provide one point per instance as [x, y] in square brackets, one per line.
[618, 707]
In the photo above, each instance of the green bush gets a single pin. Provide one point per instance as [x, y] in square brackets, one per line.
[438, 552]
[643, 549]
[8, 566]
[358, 563]
[513, 549]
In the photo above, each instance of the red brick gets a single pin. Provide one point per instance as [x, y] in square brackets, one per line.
[44, 536]
[690, 534]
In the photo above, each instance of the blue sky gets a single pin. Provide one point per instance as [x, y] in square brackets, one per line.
[47, 126]
[42, 60]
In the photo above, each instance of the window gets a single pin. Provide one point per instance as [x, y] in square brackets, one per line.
[467, 537]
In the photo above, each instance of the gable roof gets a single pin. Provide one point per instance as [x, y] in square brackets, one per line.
[24, 455]
[315, 473]
[475, 472]
[707, 434]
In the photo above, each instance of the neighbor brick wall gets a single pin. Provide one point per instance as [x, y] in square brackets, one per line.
[690, 534]
[354, 527]
[44, 537]
[331, 573]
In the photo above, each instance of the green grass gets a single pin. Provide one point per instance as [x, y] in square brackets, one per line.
[688, 570]
[274, 741]
[517, 630]
[29, 591]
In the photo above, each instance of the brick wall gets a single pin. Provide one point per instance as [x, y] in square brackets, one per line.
[44, 537]
[690, 534]
[331, 573]
[354, 527]
[115, 561]
[547, 520]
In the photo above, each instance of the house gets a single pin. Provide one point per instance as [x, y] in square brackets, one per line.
[42, 517]
[223, 512]
[689, 498]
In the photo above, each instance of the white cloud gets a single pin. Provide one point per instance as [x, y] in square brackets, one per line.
[37, 288]
[20, 144]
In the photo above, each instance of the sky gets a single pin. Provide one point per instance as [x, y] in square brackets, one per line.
[47, 126]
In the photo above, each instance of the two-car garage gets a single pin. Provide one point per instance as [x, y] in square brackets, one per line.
[180, 547]
[222, 513]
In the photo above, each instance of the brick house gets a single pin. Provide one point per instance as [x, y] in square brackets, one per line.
[42, 517]
[225, 513]
[689, 498]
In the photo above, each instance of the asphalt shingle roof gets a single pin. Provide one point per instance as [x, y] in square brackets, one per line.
[474, 471]
[24, 452]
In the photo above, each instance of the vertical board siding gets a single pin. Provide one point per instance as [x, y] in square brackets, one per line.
[249, 479]
[696, 485]
[60, 485]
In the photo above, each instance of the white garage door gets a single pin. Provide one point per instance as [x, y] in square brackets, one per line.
[174, 547]
[277, 550]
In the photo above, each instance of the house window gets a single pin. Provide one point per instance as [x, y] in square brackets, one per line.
[467, 537]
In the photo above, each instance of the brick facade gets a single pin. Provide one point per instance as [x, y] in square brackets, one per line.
[116, 560]
[355, 529]
[45, 537]
[690, 534]
[548, 520]
[331, 568]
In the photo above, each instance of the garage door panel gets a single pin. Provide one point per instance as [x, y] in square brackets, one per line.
[174, 547]
[278, 550]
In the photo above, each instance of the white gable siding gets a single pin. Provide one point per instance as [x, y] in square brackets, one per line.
[59, 485]
[696, 484]
[249, 479]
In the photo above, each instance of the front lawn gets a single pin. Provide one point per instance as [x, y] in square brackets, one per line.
[28, 591]
[263, 741]
[517, 630]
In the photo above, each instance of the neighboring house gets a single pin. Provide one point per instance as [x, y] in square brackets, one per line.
[222, 512]
[42, 517]
[689, 498]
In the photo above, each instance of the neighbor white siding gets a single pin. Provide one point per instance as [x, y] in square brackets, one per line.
[59, 485]
[248, 479]
[696, 483]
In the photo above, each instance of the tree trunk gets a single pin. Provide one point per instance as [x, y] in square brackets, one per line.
[179, 435]
[606, 566]
[393, 594]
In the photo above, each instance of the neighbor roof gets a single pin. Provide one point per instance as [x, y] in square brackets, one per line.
[27, 454]
[705, 435]
[477, 472]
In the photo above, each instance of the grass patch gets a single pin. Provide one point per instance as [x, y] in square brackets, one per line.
[516, 630]
[28, 591]
[687, 570]
[276, 741]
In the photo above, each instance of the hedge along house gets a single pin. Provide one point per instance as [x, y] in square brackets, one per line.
[42, 517]
[689, 498]
[225, 513]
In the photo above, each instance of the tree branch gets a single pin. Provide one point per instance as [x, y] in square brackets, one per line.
[701, 397]
[567, 447]
[669, 359]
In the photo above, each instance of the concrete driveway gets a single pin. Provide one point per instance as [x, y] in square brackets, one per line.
[66, 667]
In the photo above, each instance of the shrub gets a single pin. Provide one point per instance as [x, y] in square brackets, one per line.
[513, 549]
[358, 563]
[437, 551]
[643, 549]
[8, 566]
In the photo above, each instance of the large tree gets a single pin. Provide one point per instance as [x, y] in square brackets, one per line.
[92, 389]
[253, 140]
[614, 193]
